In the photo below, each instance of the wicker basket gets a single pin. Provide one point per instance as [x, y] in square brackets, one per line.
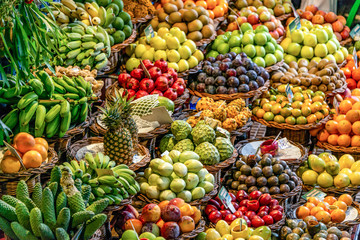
[204, 42]
[279, 40]
[190, 71]
[334, 190]
[293, 163]
[76, 146]
[284, 17]
[117, 47]
[142, 20]
[336, 91]
[338, 151]
[241, 131]
[31, 176]
[346, 41]
[112, 64]
[229, 97]
[275, 67]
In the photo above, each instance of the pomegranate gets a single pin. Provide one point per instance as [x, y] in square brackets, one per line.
[156, 92]
[123, 78]
[147, 85]
[137, 73]
[132, 84]
[147, 63]
[169, 77]
[162, 64]
[162, 83]
[171, 94]
[155, 72]
[141, 93]
[131, 93]
[179, 88]
[181, 81]
[173, 73]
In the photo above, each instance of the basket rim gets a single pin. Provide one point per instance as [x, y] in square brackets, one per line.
[350, 190]
[224, 164]
[333, 148]
[117, 47]
[194, 70]
[284, 16]
[142, 19]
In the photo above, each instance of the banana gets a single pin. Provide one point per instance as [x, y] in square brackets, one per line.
[75, 165]
[105, 162]
[69, 81]
[27, 99]
[119, 3]
[120, 166]
[59, 88]
[132, 190]
[65, 108]
[82, 100]
[62, 18]
[73, 54]
[110, 17]
[90, 160]
[100, 37]
[12, 118]
[74, 44]
[67, 164]
[88, 45]
[74, 37]
[94, 54]
[106, 40]
[39, 132]
[83, 112]
[95, 5]
[57, 96]
[73, 14]
[29, 112]
[53, 126]
[90, 30]
[80, 81]
[70, 62]
[82, 92]
[87, 61]
[80, 57]
[91, 10]
[96, 21]
[83, 15]
[102, 15]
[100, 57]
[99, 46]
[88, 88]
[65, 10]
[69, 3]
[65, 122]
[102, 64]
[74, 113]
[110, 165]
[88, 38]
[128, 178]
[80, 4]
[124, 182]
[78, 29]
[40, 116]
[115, 8]
[37, 86]
[52, 113]
[125, 171]
[63, 49]
[73, 96]
[99, 158]
[82, 165]
[86, 21]
[48, 82]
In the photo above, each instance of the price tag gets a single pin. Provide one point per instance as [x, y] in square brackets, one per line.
[149, 32]
[165, 153]
[336, 105]
[355, 58]
[295, 24]
[226, 199]
[289, 93]
[314, 193]
[294, 11]
[104, 172]
[15, 153]
[283, 143]
[355, 32]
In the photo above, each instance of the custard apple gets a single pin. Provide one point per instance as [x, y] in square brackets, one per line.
[225, 148]
[208, 153]
[220, 132]
[167, 143]
[184, 145]
[203, 133]
[181, 129]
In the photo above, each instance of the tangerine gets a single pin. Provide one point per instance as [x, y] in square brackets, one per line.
[43, 142]
[319, 115]
[356, 127]
[341, 205]
[355, 92]
[353, 115]
[355, 74]
[260, 113]
[218, 11]
[32, 159]
[344, 127]
[345, 106]
[42, 150]
[313, 200]
[309, 205]
[302, 212]
[211, 4]
[346, 71]
[355, 141]
[323, 216]
[351, 83]
[346, 198]
[202, 4]
[333, 139]
[323, 135]
[311, 118]
[331, 126]
[356, 106]
[344, 140]
[338, 215]
[24, 142]
[330, 199]
[340, 117]
[211, 14]
[315, 210]
[10, 164]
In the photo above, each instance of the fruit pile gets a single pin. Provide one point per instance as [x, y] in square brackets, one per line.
[106, 14]
[326, 171]
[336, 22]
[310, 228]
[269, 175]
[276, 8]
[115, 188]
[216, 9]
[33, 152]
[194, 20]
[351, 73]
[257, 209]
[139, 8]
[48, 106]
[222, 112]
[237, 229]
[57, 210]
[169, 45]
[323, 76]
[306, 107]
[344, 129]
[256, 44]
[163, 81]
[84, 45]
[331, 209]
[229, 73]
[258, 16]
[211, 145]
[167, 220]
[313, 42]
[176, 175]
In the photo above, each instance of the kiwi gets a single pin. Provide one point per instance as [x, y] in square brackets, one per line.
[316, 81]
[323, 88]
[163, 16]
[312, 64]
[245, 170]
[207, 31]
[323, 62]
[250, 181]
[175, 17]
[295, 81]
[204, 19]
[313, 70]
[183, 27]
[264, 190]
[293, 65]
[325, 80]
[303, 70]
[200, 10]
[195, 36]
[242, 179]
[256, 172]
[190, 15]
[303, 63]
[314, 88]
[252, 188]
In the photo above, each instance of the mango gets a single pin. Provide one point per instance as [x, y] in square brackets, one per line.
[143, 187]
[163, 183]
[167, 159]
[197, 193]
[202, 173]
[180, 169]
[327, 157]
[208, 186]
[192, 180]
[186, 155]
[332, 168]
[210, 178]
[316, 163]
[155, 163]
[167, 195]
[147, 172]
[212, 234]
[325, 180]
[152, 192]
[222, 227]
[185, 195]
[177, 185]
[346, 161]
[341, 180]
[193, 166]
[153, 179]
[165, 169]
[175, 155]
[173, 176]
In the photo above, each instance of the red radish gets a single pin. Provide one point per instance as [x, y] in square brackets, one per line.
[162, 83]
[140, 94]
[179, 88]
[123, 78]
[147, 63]
[137, 73]
[156, 92]
[173, 73]
[133, 84]
[155, 72]
[171, 94]
[147, 85]
[162, 64]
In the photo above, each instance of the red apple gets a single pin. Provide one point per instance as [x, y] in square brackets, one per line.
[254, 195]
[276, 215]
[243, 209]
[238, 214]
[233, 197]
[230, 218]
[215, 216]
[264, 208]
[257, 222]
[177, 202]
[253, 18]
[262, 213]
[265, 199]
[244, 202]
[250, 214]
[277, 207]
[210, 208]
[224, 213]
[268, 220]
[123, 78]
[273, 202]
[241, 195]
[248, 222]
[253, 205]
[215, 203]
[236, 205]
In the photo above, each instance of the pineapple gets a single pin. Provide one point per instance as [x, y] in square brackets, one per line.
[220, 114]
[232, 111]
[128, 121]
[217, 105]
[204, 103]
[118, 144]
[206, 113]
[238, 102]
[241, 119]
[230, 124]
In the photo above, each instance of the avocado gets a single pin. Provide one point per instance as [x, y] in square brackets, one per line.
[274, 190]
[246, 170]
[278, 169]
[267, 171]
[256, 172]
[250, 181]
[273, 181]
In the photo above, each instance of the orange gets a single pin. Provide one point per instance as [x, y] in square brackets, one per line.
[10, 164]
[356, 106]
[211, 14]
[345, 106]
[351, 83]
[344, 140]
[323, 216]
[340, 117]
[309, 205]
[315, 210]
[353, 115]
[24, 142]
[313, 200]
[330, 199]
[346, 71]
[218, 11]
[356, 74]
[331, 126]
[333, 139]
[355, 92]
[356, 127]
[211, 4]
[323, 136]
[324, 205]
[346, 198]
[352, 99]
[302, 212]
[201, 3]
[355, 141]
[344, 127]
[43, 142]
[42, 150]
[337, 216]
[319, 115]
[32, 159]
[311, 118]
[340, 204]
[260, 113]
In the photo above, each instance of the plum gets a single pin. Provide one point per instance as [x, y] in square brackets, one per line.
[211, 59]
[229, 55]
[251, 74]
[243, 88]
[201, 77]
[220, 57]
[210, 89]
[200, 87]
[236, 62]
[260, 81]
[244, 79]
[233, 82]
[253, 85]
[216, 72]
[232, 90]
[221, 90]
[240, 70]
[264, 74]
[170, 230]
[209, 81]
[220, 81]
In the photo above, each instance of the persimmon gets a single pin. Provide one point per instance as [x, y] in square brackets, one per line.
[323, 135]
[302, 212]
[204, 5]
[211, 14]
[331, 126]
[323, 216]
[43, 142]
[347, 72]
[218, 11]
[330, 199]
[355, 74]
[338, 215]
[345, 106]
[211, 4]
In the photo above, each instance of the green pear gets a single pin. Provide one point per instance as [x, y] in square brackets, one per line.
[183, 65]
[294, 49]
[185, 52]
[173, 56]
[148, 55]
[158, 43]
[310, 39]
[193, 62]
[307, 52]
[173, 65]
[167, 35]
[321, 50]
[161, 32]
[140, 50]
[322, 36]
[172, 43]
[199, 55]
[160, 54]
[181, 36]
[339, 56]
[143, 40]
[173, 30]
[297, 36]
[132, 63]
[191, 44]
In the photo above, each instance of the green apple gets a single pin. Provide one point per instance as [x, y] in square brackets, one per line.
[173, 30]
[216, 43]
[158, 43]
[279, 55]
[278, 47]
[234, 41]
[321, 35]
[316, 59]
[304, 29]
[129, 50]
[143, 40]
[147, 235]
[193, 62]
[140, 50]
[199, 55]
[183, 65]
[263, 231]
[248, 38]
[228, 34]
[212, 53]
[246, 27]
[161, 31]
[160, 54]
[339, 56]
[130, 235]
[331, 47]
[329, 31]
[132, 63]
[236, 50]
[294, 49]
[223, 48]
[285, 43]
[344, 51]
[289, 58]
[173, 56]
[259, 61]
[270, 59]
[181, 36]
[260, 38]
[307, 52]
[261, 28]
[321, 50]
[307, 60]
[222, 37]
[297, 36]
[249, 50]
[185, 52]
[236, 33]
[172, 43]
[307, 24]
[167, 35]
[191, 44]
[310, 39]
[268, 36]
[173, 65]
[260, 51]
[330, 57]
[334, 39]
[269, 47]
